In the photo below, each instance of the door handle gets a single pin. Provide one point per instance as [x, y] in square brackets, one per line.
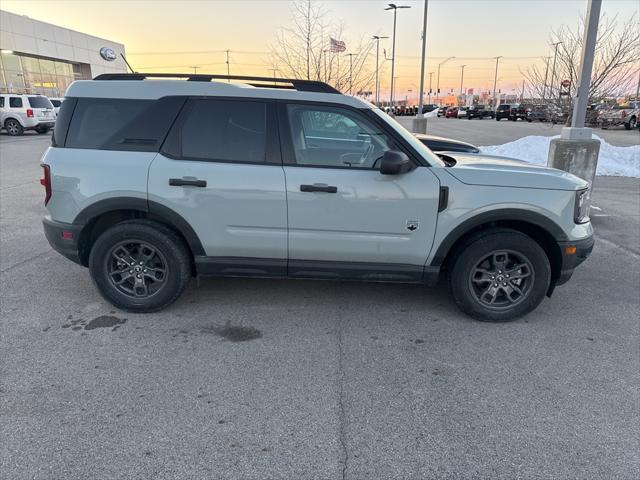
[318, 188]
[184, 182]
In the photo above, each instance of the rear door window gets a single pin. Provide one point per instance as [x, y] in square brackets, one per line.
[15, 102]
[1, 102]
[221, 131]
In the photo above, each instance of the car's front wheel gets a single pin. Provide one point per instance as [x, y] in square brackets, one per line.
[631, 124]
[140, 266]
[499, 275]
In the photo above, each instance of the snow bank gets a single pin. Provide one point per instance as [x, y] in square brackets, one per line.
[617, 161]
[431, 114]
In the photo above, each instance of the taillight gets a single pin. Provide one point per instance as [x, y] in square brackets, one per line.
[29, 113]
[45, 181]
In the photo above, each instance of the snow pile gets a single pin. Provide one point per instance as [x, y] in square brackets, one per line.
[617, 161]
[431, 114]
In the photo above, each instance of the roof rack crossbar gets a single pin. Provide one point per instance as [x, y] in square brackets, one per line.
[266, 82]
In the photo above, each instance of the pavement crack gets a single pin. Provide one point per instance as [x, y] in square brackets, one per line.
[342, 415]
[15, 265]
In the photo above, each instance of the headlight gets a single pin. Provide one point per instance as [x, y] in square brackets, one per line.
[583, 205]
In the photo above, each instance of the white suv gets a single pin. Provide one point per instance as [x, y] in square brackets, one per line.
[26, 112]
[151, 182]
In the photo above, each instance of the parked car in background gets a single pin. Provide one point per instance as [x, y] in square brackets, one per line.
[19, 113]
[56, 102]
[452, 112]
[626, 114]
[519, 111]
[442, 144]
[503, 111]
[479, 111]
[430, 107]
[545, 113]
[442, 111]
[462, 112]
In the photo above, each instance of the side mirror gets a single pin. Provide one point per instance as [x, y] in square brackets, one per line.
[394, 163]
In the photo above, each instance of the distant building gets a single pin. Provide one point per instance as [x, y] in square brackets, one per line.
[38, 57]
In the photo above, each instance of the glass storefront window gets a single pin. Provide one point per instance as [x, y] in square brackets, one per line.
[23, 74]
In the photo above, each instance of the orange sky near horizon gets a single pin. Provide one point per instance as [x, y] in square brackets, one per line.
[173, 36]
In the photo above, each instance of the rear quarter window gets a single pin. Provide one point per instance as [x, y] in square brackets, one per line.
[15, 102]
[40, 102]
[121, 124]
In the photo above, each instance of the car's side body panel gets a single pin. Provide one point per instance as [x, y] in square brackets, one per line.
[240, 213]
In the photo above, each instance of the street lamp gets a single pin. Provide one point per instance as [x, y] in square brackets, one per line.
[377, 38]
[495, 80]
[438, 79]
[350, 55]
[423, 60]
[394, 7]
[461, 77]
[553, 70]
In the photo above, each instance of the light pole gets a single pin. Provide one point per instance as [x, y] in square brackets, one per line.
[546, 72]
[461, 77]
[350, 55]
[424, 57]
[195, 68]
[438, 78]
[495, 80]
[553, 70]
[377, 38]
[394, 7]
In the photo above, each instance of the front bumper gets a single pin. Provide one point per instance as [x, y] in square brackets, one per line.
[63, 238]
[583, 249]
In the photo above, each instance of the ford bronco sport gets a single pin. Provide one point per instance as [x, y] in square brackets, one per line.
[150, 182]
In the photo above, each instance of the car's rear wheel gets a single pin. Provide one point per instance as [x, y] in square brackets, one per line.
[140, 266]
[631, 124]
[13, 127]
[499, 275]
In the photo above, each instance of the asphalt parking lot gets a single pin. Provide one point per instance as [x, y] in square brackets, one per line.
[261, 379]
[489, 132]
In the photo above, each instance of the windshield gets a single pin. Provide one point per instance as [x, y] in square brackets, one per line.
[417, 145]
[40, 102]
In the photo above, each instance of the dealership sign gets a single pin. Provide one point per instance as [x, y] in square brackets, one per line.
[108, 54]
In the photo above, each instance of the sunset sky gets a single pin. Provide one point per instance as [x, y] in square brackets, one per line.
[174, 35]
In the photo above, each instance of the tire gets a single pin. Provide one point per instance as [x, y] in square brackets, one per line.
[170, 264]
[471, 276]
[498, 119]
[13, 127]
[631, 124]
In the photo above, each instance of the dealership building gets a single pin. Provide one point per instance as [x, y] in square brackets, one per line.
[38, 57]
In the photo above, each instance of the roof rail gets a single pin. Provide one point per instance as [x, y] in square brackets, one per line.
[265, 82]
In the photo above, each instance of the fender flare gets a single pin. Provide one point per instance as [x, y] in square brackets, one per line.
[165, 214]
[504, 214]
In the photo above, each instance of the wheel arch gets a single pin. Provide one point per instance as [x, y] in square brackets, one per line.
[541, 229]
[101, 215]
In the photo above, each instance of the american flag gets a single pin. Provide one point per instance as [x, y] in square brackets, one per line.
[337, 46]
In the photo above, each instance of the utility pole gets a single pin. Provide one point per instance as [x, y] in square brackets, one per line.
[430, 90]
[553, 70]
[461, 77]
[227, 62]
[495, 81]
[377, 38]
[546, 71]
[274, 70]
[195, 68]
[394, 7]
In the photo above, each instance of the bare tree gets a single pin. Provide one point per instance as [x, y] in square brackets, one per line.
[615, 64]
[302, 50]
